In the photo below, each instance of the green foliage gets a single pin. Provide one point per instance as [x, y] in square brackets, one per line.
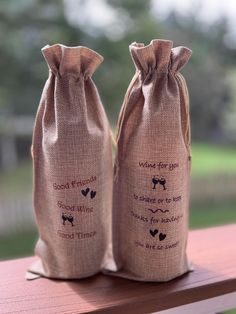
[230, 113]
[213, 160]
[17, 245]
[116, 72]
[203, 215]
[17, 181]
[230, 312]
[26, 26]
[206, 73]
[135, 8]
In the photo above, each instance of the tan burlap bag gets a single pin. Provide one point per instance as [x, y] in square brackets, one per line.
[151, 179]
[72, 168]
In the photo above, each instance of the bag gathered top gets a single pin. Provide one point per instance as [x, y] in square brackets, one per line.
[152, 167]
[72, 161]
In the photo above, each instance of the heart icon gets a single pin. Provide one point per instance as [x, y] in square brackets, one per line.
[153, 232]
[162, 236]
[85, 192]
[93, 194]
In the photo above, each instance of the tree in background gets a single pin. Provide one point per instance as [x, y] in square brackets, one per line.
[26, 26]
[207, 73]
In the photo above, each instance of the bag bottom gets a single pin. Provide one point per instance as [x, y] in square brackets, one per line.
[127, 275]
[36, 270]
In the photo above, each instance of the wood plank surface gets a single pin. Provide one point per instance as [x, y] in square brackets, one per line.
[212, 251]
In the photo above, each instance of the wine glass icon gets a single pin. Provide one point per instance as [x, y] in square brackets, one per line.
[162, 182]
[155, 181]
[70, 218]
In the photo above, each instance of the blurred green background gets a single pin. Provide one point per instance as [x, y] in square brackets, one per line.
[109, 26]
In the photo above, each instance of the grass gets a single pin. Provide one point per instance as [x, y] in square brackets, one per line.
[209, 215]
[17, 245]
[209, 159]
[17, 180]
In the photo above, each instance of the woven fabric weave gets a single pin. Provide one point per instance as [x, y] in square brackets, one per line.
[152, 169]
[73, 172]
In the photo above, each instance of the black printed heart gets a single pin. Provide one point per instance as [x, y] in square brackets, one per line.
[153, 232]
[93, 194]
[162, 236]
[85, 192]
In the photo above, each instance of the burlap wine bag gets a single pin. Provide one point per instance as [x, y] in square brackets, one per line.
[73, 172]
[151, 179]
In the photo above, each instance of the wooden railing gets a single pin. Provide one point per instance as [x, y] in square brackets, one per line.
[210, 288]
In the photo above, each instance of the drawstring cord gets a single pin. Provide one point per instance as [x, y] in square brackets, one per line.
[121, 122]
[185, 96]
[185, 99]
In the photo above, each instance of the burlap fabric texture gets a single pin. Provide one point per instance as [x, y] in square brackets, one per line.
[152, 168]
[73, 172]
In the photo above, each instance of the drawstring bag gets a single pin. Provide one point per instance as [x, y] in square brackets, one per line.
[152, 168]
[72, 161]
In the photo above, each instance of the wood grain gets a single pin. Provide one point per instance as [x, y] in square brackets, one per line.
[212, 251]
